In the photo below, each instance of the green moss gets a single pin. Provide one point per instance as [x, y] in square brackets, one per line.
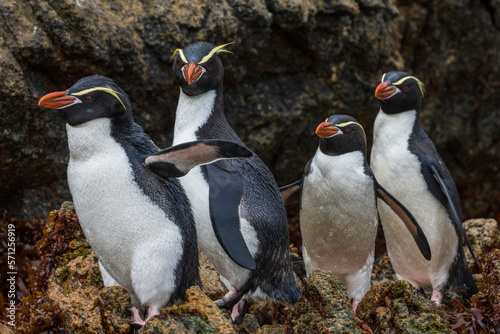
[399, 289]
[96, 280]
[62, 274]
[198, 325]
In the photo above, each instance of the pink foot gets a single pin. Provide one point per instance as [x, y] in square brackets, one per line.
[355, 305]
[136, 319]
[228, 296]
[437, 296]
[239, 311]
[152, 311]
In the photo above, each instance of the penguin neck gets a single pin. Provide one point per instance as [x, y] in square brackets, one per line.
[202, 117]
[395, 127]
[95, 137]
[192, 113]
[89, 139]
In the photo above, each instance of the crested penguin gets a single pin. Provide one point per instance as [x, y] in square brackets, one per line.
[406, 162]
[139, 225]
[239, 213]
[338, 207]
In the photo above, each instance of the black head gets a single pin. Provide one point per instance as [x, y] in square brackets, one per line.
[399, 92]
[90, 98]
[340, 134]
[198, 69]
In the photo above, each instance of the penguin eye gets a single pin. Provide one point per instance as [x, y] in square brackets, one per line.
[405, 88]
[179, 63]
[89, 99]
[347, 131]
[209, 65]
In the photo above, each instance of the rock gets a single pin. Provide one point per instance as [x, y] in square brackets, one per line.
[396, 307]
[5, 329]
[198, 303]
[293, 64]
[77, 293]
[324, 307]
[210, 279]
[484, 237]
[73, 299]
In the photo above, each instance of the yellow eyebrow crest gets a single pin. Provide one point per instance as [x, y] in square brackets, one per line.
[383, 77]
[104, 89]
[181, 54]
[352, 122]
[421, 85]
[215, 50]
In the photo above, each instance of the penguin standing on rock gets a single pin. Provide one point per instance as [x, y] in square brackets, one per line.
[240, 217]
[140, 226]
[407, 163]
[338, 208]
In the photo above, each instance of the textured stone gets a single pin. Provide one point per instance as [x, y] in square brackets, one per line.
[396, 307]
[293, 64]
[324, 307]
[484, 237]
[212, 285]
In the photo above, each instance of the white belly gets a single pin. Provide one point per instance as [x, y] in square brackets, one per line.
[338, 217]
[192, 113]
[398, 171]
[133, 238]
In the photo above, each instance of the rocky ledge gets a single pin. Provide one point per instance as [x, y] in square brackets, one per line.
[68, 296]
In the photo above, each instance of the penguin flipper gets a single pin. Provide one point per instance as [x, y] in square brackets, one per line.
[226, 191]
[407, 218]
[178, 160]
[445, 183]
[291, 193]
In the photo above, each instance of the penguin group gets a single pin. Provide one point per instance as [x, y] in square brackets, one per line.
[146, 211]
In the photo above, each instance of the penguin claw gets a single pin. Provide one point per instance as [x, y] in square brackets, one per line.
[136, 320]
[355, 305]
[437, 296]
[220, 302]
[239, 311]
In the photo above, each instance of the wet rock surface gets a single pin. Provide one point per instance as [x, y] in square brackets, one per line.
[74, 300]
[293, 64]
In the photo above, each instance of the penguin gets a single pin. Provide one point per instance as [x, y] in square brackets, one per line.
[139, 225]
[239, 213]
[338, 207]
[406, 162]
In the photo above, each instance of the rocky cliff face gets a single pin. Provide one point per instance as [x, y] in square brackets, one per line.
[293, 64]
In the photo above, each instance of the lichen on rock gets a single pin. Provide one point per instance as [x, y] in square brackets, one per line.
[397, 307]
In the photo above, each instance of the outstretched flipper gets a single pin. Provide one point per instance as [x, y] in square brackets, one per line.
[226, 190]
[407, 218]
[291, 193]
[452, 202]
[178, 160]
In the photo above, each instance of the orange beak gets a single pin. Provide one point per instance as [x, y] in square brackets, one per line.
[384, 90]
[56, 100]
[192, 72]
[325, 130]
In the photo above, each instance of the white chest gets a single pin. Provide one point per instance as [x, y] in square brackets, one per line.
[338, 217]
[192, 113]
[116, 216]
